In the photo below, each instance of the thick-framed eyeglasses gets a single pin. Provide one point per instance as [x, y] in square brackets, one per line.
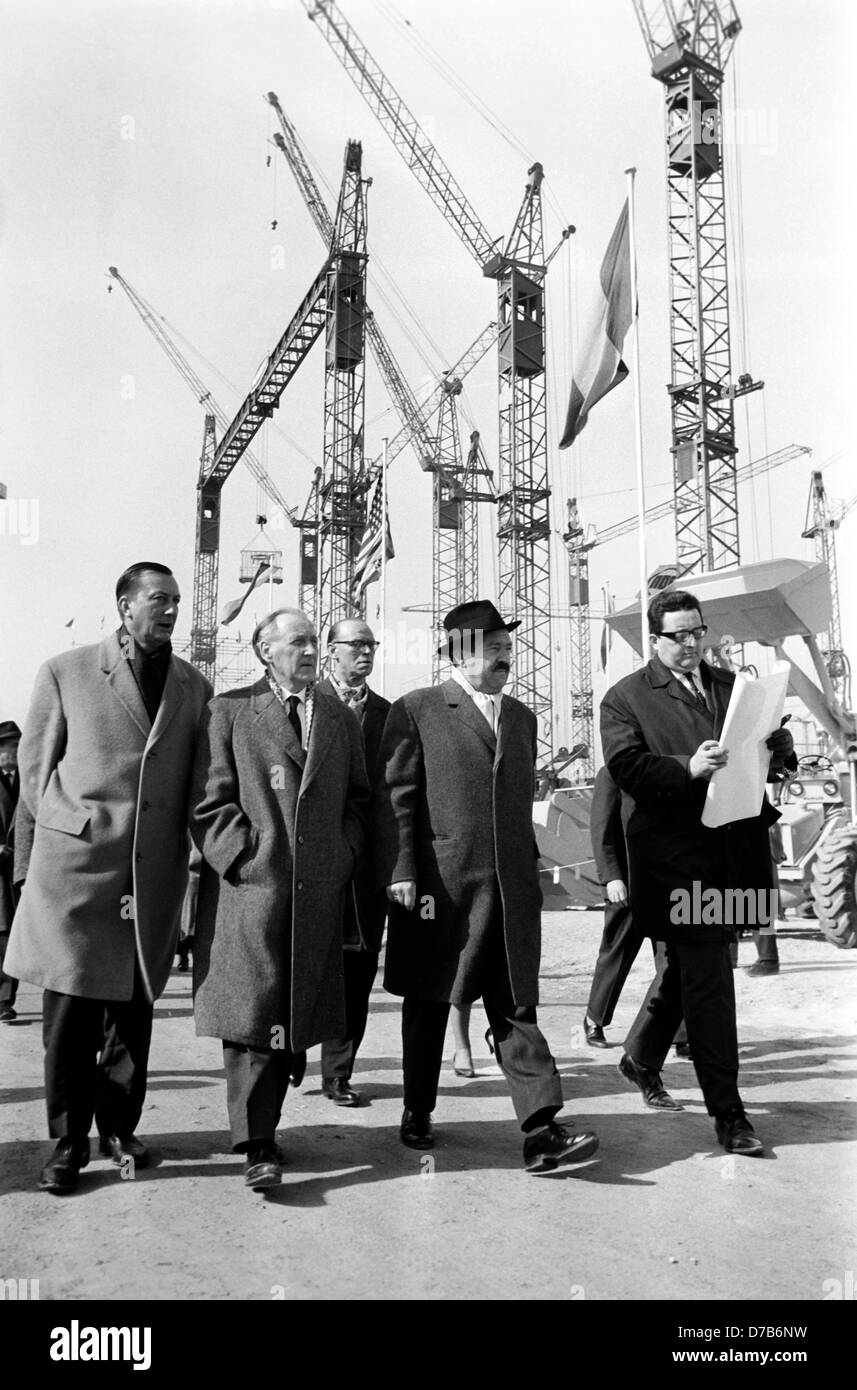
[686, 634]
[357, 646]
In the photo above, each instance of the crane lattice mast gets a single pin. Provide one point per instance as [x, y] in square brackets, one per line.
[689, 43]
[578, 545]
[519, 268]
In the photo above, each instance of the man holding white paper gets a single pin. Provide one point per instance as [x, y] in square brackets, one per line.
[660, 731]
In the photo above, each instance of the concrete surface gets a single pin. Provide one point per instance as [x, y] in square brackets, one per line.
[661, 1214]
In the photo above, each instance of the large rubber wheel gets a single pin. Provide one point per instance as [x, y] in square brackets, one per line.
[834, 886]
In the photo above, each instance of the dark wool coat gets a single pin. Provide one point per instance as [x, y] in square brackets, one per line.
[366, 907]
[280, 831]
[8, 892]
[650, 728]
[108, 789]
[606, 829]
[453, 811]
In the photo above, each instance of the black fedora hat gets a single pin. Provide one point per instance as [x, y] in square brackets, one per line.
[479, 615]
[9, 729]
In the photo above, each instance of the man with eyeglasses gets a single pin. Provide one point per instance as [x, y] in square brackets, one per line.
[659, 729]
[351, 648]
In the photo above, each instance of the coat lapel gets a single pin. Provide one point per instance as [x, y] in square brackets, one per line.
[171, 700]
[458, 699]
[320, 734]
[120, 679]
[270, 713]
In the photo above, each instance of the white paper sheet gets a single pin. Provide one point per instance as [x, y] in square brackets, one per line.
[735, 791]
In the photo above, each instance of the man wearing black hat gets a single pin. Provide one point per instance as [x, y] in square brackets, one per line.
[10, 736]
[456, 851]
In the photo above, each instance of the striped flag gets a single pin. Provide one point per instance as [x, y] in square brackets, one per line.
[601, 366]
[234, 606]
[367, 566]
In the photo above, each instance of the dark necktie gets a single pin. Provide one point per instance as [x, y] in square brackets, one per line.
[294, 718]
[699, 695]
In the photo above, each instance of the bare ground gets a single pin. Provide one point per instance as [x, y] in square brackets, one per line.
[661, 1214]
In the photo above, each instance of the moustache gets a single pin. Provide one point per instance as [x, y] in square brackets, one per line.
[502, 666]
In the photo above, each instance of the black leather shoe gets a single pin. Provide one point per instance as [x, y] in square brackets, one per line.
[416, 1130]
[594, 1033]
[262, 1168]
[682, 1049]
[338, 1089]
[736, 1134]
[298, 1068]
[764, 967]
[556, 1147]
[62, 1173]
[649, 1081]
[121, 1147]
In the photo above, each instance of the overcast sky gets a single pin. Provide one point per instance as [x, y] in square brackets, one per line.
[137, 136]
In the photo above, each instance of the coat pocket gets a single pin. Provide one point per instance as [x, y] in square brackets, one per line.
[65, 818]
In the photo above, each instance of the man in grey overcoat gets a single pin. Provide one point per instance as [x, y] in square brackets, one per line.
[279, 811]
[455, 847]
[10, 736]
[105, 764]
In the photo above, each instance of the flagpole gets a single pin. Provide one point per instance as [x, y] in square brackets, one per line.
[384, 444]
[638, 420]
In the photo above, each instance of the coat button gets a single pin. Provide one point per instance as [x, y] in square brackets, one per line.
[144, 806]
[299, 885]
[300, 839]
[138, 855]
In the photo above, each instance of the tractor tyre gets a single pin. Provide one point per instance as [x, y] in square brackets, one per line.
[834, 886]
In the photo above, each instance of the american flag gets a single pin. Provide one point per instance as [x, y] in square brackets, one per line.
[367, 566]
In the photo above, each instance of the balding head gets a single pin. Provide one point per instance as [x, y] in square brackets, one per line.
[286, 644]
[351, 650]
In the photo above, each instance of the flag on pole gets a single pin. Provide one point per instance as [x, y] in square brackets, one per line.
[367, 566]
[606, 631]
[601, 366]
[233, 608]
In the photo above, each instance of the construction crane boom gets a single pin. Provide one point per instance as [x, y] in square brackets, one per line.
[747, 471]
[403, 129]
[156, 326]
[523, 531]
[263, 399]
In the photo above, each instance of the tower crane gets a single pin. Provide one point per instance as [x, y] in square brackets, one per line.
[519, 266]
[335, 303]
[203, 637]
[456, 494]
[821, 526]
[689, 43]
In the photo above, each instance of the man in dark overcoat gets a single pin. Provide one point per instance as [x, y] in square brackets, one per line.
[455, 847]
[105, 762]
[659, 730]
[10, 737]
[351, 649]
[279, 808]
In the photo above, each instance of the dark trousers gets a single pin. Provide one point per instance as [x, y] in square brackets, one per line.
[620, 946]
[338, 1055]
[697, 981]
[96, 1060]
[520, 1047]
[8, 986]
[257, 1079]
[766, 946]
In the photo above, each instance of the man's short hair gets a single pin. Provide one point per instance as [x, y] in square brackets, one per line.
[129, 580]
[670, 601]
[264, 626]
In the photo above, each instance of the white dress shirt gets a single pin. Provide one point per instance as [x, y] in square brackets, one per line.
[488, 705]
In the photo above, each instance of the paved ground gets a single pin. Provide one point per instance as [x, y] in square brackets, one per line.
[662, 1214]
